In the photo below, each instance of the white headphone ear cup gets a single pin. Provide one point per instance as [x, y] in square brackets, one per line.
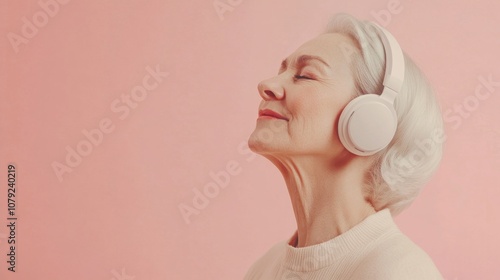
[367, 124]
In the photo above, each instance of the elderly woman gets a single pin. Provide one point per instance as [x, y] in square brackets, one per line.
[354, 128]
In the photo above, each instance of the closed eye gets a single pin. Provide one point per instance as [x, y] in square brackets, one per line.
[298, 77]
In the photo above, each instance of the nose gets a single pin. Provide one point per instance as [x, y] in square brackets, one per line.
[271, 89]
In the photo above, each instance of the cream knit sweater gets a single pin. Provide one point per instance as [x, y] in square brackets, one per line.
[374, 249]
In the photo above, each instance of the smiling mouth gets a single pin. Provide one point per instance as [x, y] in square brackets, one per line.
[270, 114]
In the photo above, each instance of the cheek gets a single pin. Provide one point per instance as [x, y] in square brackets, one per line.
[315, 112]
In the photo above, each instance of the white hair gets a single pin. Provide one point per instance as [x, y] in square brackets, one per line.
[401, 169]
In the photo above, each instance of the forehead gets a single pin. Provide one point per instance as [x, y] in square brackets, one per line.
[334, 48]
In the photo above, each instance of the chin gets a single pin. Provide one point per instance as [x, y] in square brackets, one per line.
[262, 143]
[256, 145]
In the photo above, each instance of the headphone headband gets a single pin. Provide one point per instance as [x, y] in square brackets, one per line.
[394, 64]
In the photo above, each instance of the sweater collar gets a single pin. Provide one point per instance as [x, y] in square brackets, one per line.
[317, 256]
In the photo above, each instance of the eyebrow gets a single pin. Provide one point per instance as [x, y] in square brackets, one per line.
[303, 59]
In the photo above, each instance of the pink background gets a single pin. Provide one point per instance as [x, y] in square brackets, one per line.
[117, 213]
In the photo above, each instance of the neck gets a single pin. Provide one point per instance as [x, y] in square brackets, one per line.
[327, 198]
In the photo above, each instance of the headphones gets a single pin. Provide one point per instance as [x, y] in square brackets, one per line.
[368, 122]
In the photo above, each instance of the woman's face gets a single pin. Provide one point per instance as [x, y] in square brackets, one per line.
[310, 90]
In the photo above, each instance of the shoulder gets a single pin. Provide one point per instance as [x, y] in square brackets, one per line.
[399, 258]
[268, 262]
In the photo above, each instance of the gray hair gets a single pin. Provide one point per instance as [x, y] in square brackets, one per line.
[399, 171]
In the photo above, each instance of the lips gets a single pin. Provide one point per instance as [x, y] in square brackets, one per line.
[271, 113]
